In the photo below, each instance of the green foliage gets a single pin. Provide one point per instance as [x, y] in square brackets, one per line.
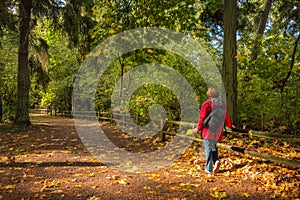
[8, 71]
[265, 103]
[261, 103]
[8, 19]
[60, 69]
[148, 95]
[268, 97]
[116, 16]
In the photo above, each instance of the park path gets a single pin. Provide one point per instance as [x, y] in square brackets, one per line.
[48, 161]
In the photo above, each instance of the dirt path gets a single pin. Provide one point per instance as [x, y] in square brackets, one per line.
[48, 161]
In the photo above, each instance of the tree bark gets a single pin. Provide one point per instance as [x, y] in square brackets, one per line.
[22, 107]
[1, 108]
[265, 134]
[229, 66]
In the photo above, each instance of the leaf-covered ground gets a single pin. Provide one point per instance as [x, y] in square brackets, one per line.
[48, 161]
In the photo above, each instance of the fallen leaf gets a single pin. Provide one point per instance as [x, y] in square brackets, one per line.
[65, 152]
[175, 187]
[91, 175]
[9, 187]
[48, 184]
[155, 175]
[123, 182]
[102, 171]
[218, 193]
[93, 198]
[190, 184]
[245, 194]
[78, 175]
[231, 181]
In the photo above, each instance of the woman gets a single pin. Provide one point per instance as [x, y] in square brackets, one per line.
[211, 138]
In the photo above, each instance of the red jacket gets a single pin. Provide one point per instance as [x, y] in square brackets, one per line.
[204, 112]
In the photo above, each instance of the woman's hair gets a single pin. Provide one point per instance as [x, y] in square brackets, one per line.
[212, 92]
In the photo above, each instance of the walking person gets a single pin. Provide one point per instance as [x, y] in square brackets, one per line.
[213, 114]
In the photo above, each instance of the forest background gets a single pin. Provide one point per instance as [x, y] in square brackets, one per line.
[60, 34]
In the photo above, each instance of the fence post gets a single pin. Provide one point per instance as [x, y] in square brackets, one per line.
[163, 134]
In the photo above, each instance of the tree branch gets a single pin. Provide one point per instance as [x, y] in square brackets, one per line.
[291, 65]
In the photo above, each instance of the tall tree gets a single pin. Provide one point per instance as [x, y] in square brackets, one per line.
[44, 9]
[1, 112]
[229, 66]
[22, 107]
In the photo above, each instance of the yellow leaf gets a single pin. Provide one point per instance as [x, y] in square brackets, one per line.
[155, 175]
[78, 175]
[219, 195]
[245, 194]
[54, 184]
[240, 143]
[93, 198]
[250, 134]
[123, 182]
[180, 170]
[159, 186]
[42, 189]
[240, 57]
[102, 171]
[190, 132]
[91, 175]
[114, 182]
[218, 192]
[10, 186]
[190, 184]
[206, 179]
[230, 181]
[48, 184]
[175, 187]
[149, 51]
[111, 31]
[65, 152]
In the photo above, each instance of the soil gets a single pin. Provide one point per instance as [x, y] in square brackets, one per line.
[47, 160]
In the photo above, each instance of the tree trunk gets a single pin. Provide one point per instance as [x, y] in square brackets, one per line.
[268, 135]
[1, 108]
[22, 107]
[229, 66]
[292, 163]
[261, 26]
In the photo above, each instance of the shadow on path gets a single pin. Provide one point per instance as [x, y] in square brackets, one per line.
[53, 164]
